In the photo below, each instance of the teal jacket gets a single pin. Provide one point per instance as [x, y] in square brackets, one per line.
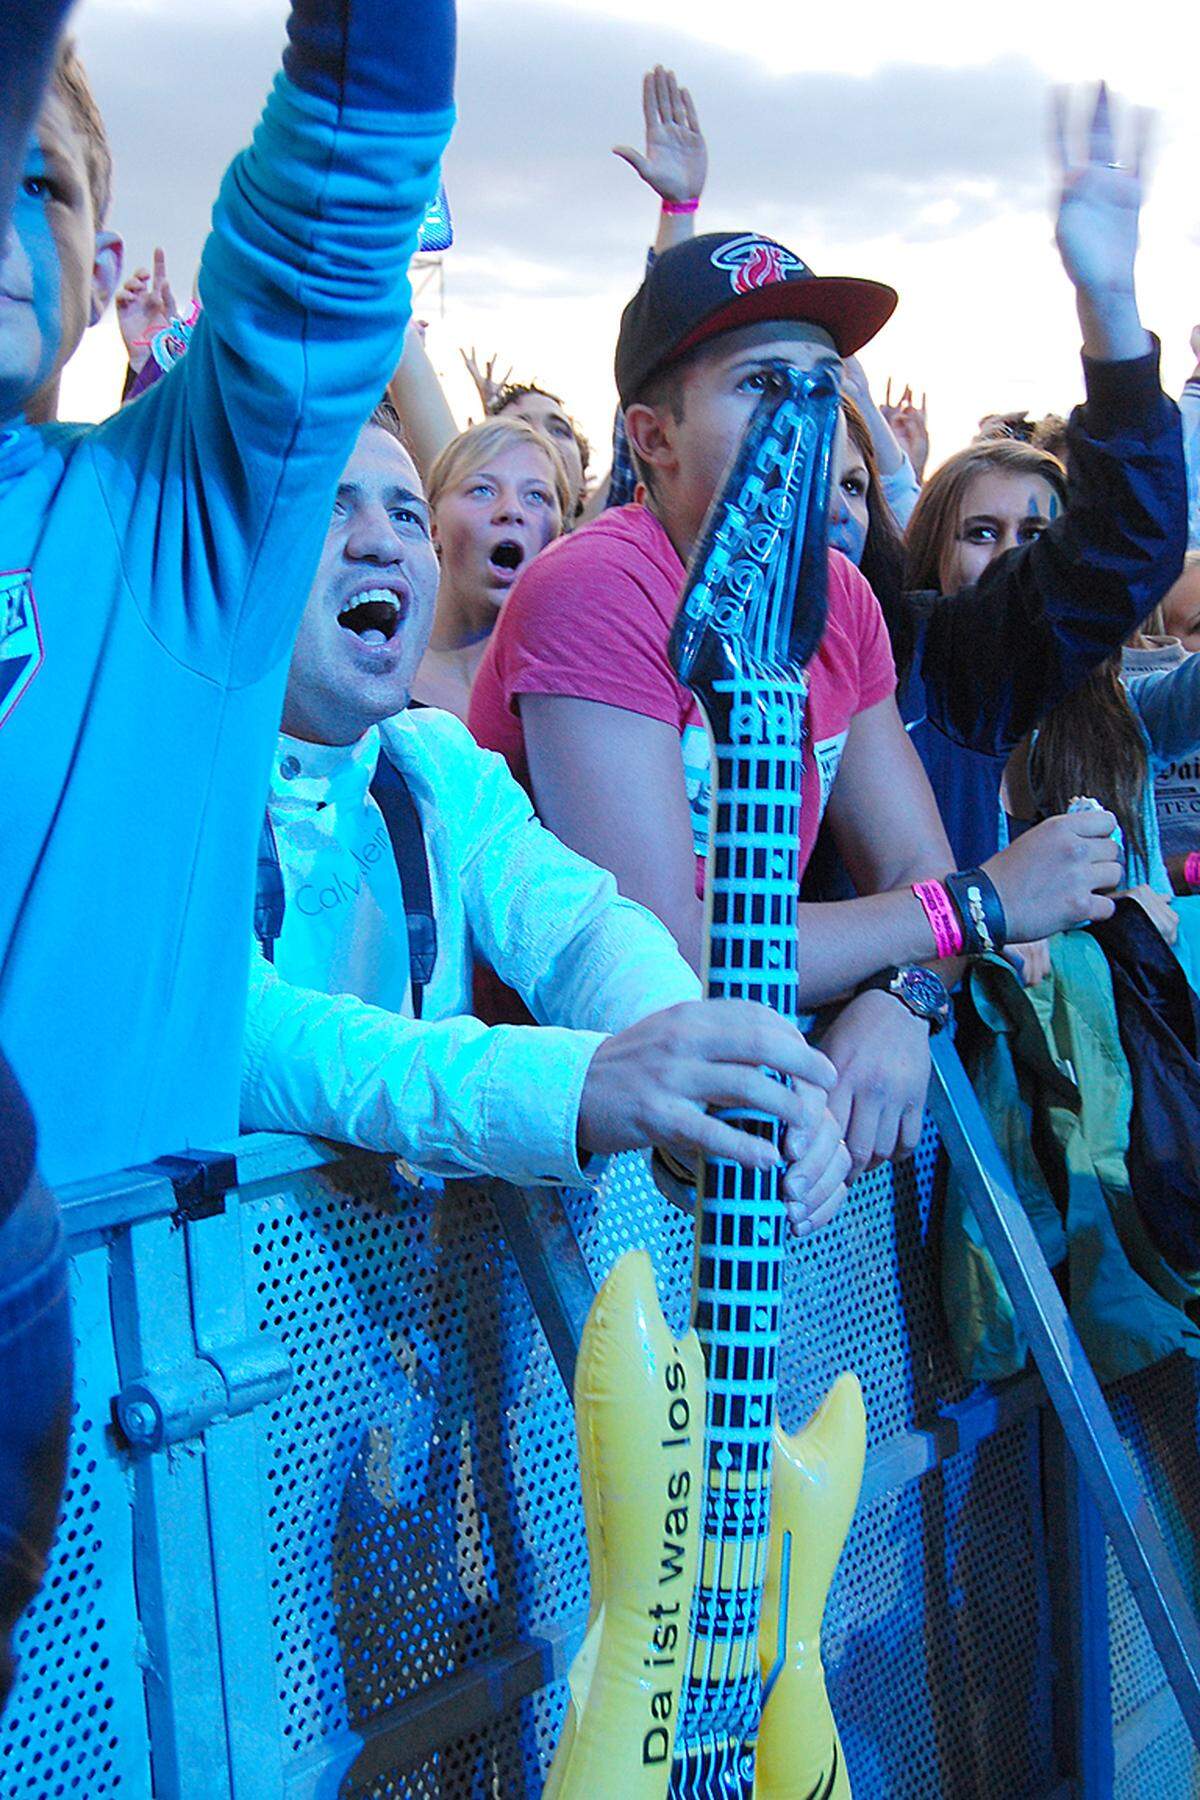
[1047, 1064]
[159, 564]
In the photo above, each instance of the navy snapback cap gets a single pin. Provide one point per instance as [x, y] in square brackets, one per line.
[723, 280]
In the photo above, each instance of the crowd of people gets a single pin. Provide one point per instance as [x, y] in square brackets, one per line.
[363, 735]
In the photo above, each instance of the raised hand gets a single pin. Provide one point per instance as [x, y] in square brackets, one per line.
[910, 424]
[487, 385]
[145, 305]
[1097, 227]
[1194, 340]
[675, 162]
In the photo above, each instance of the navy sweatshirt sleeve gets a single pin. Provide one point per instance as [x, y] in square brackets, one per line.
[28, 34]
[351, 53]
[996, 657]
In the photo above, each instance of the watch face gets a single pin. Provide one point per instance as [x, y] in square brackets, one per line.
[922, 991]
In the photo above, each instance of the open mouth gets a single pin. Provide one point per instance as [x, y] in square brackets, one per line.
[374, 617]
[508, 556]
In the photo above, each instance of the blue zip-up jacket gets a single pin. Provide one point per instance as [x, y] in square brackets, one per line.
[988, 663]
[160, 563]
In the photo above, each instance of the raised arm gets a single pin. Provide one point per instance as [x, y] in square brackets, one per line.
[1189, 410]
[1052, 610]
[1167, 701]
[897, 477]
[421, 403]
[28, 35]
[306, 298]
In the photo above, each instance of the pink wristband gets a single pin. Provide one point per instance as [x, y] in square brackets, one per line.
[1191, 870]
[944, 922]
[681, 206]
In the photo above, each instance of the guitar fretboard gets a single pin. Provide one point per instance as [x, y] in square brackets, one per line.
[738, 1284]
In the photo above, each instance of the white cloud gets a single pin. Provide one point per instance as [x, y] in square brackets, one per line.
[906, 147]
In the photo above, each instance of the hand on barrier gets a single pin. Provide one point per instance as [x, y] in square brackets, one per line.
[881, 1054]
[819, 1167]
[652, 1083]
[1061, 873]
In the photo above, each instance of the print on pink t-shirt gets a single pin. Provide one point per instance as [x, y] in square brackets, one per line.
[590, 619]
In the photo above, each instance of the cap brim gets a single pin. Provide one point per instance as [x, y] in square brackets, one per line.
[849, 309]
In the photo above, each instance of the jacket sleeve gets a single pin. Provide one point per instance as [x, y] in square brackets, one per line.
[455, 1097]
[1167, 701]
[996, 657]
[220, 480]
[901, 490]
[1189, 412]
[552, 924]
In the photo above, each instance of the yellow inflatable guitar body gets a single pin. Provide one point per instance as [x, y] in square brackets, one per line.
[638, 1393]
[816, 1480]
[639, 1417]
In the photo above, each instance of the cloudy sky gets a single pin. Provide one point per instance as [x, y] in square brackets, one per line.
[911, 148]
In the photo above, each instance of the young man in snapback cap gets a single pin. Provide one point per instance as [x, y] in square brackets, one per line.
[578, 692]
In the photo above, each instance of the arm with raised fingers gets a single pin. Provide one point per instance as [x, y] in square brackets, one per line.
[675, 161]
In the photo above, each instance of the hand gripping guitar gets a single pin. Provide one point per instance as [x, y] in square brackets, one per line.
[700, 1674]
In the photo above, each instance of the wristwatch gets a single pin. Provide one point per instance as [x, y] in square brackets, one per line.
[924, 993]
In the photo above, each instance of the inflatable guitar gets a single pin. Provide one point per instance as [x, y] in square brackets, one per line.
[712, 1549]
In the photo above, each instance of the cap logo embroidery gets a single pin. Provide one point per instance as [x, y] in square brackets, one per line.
[753, 262]
[20, 638]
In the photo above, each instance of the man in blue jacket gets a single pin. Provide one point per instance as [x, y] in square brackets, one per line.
[156, 565]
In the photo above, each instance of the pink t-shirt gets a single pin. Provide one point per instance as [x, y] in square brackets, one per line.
[590, 619]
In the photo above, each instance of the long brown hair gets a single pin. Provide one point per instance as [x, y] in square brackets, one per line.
[934, 523]
[882, 562]
[1092, 744]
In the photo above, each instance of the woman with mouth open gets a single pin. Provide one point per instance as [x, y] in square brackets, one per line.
[498, 493]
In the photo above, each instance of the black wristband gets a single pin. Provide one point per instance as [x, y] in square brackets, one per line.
[984, 927]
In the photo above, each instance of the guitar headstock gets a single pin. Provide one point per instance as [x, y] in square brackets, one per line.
[754, 595]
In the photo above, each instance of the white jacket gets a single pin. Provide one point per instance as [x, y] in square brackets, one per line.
[447, 1093]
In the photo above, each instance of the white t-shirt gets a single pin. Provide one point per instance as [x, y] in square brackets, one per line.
[343, 922]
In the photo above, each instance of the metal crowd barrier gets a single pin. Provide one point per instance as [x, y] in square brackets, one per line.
[322, 1535]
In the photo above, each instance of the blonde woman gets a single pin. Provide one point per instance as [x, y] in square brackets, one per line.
[498, 494]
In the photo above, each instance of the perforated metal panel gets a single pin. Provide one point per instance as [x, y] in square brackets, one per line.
[419, 1476]
[415, 1512]
[76, 1723]
[936, 1639]
[1158, 1415]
